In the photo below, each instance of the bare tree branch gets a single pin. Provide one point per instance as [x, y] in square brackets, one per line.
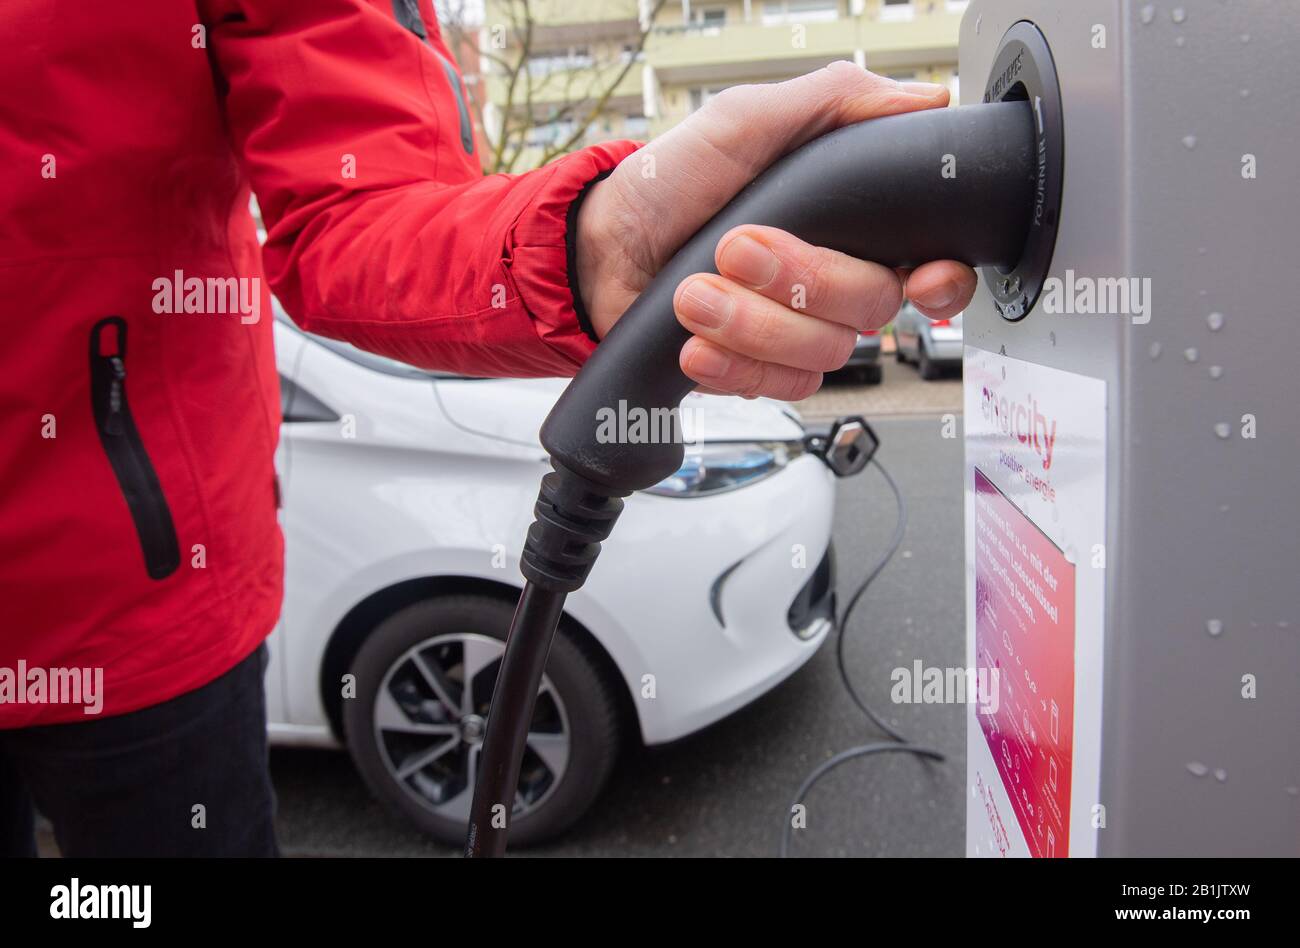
[530, 98]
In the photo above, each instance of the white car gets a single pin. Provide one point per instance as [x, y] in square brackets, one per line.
[406, 497]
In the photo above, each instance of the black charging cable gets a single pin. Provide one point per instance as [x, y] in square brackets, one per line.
[875, 191]
[897, 743]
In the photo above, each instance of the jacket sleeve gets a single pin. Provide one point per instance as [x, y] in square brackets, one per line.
[382, 230]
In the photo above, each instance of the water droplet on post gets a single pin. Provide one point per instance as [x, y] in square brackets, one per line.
[1190, 354]
[1189, 141]
[1178, 15]
[1216, 371]
[1214, 321]
[1223, 430]
[1220, 775]
[1148, 14]
[1214, 627]
[1154, 351]
[1197, 769]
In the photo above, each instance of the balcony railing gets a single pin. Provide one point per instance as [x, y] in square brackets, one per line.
[693, 45]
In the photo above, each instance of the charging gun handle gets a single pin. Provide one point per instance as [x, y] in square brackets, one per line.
[902, 190]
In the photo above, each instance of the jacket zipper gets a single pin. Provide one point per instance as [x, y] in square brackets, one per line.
[125, 450]
[407, 13]
[466, 127]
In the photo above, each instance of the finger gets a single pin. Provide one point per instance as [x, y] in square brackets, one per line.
[942, 289]
[849, 94]
[773, 119]
[737, 318]
[723, 371]
[738, 134]
[825, 283]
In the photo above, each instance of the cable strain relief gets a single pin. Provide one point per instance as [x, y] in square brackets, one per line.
[573, 516]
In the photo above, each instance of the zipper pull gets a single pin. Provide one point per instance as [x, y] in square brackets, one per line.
[113, 423]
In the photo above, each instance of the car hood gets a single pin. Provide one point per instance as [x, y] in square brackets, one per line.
[513, 410]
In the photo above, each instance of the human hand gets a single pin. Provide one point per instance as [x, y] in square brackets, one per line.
[749, 336]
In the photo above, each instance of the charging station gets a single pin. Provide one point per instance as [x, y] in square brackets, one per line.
[1132, 526]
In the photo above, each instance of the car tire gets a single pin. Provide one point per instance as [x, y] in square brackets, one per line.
[898, 352]
[870, 374]
[580, 688]
[925, 365]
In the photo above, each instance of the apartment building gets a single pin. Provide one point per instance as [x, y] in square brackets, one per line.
[665, 60]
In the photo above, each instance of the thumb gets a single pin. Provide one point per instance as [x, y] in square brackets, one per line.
[684, 177]
[772, 120]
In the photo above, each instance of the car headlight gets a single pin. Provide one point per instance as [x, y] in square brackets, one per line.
[712, 467]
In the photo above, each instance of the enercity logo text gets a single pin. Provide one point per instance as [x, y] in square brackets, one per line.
[1022, 421]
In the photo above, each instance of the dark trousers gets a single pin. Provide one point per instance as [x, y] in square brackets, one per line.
[187, 777]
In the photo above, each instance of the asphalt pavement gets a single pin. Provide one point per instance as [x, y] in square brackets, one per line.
[726, 791]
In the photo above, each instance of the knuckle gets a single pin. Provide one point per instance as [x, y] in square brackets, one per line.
[885, 304]
[762, 328]
[840, 347]
[805, 386]
[730, 100]
[814, 273]
[752, 382]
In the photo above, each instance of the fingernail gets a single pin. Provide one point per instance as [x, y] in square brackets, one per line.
[706, 305]
[927, 89]
[749, 261]
[937, 298]
[710, 363]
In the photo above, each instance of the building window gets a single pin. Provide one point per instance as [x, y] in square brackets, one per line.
[560, 60]
[709, 16]
[636, 126]
[549, 133]
[897, 10]
[777, 12]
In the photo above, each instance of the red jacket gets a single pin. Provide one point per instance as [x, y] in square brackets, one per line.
[138, 528]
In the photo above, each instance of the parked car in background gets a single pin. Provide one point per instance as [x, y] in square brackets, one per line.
[406, 499]
[934, 345]
[864, 364]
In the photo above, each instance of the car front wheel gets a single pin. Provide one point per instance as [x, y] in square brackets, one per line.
[871, 374]
[925, 365]
[424, 682]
